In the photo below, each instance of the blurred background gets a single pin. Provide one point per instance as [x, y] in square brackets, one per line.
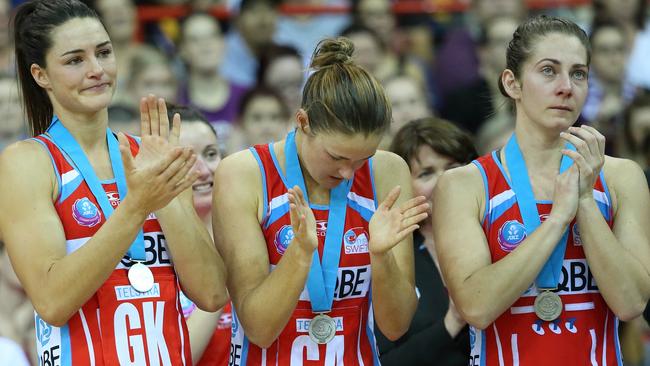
[242, 63]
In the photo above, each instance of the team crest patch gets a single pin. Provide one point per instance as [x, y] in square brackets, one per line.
[355, 241]
[86, 213]
[511, 234]
[283, 237]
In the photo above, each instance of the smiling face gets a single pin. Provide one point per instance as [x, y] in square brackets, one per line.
[330, 157]
[81, 71]
[204, 142]
[202, 43]
[609, 55]
[552, 86]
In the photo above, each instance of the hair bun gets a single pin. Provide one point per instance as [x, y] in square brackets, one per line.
[332, 51]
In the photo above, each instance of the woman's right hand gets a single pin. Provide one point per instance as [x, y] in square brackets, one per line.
[158, 173]
[565, 196]
[302, 221]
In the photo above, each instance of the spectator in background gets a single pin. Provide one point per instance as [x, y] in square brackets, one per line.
[437, 335]
[303, 31]
[609, 89]
[632, 14]
[408, 102]
[372, 54]
[209, 331]
[281, 69]
[6, 46]
[120, 19]
[254, 27]
[201, 49]
[378, 16]
[263, 118]
[16, 317]
[12, 127]
[457, 59]
[150, 72]
[636, 131]
[476, 103]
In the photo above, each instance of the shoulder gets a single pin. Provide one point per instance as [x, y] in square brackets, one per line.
[26, 166]
[27, 155]
[238, 176]
[388, 163]
[624, 177]
[461, 186]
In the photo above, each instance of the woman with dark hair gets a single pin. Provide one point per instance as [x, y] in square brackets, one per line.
[437, 335]
[314, 224]
[102, 268]
[633, 16]
[543, 244]
[281, 68]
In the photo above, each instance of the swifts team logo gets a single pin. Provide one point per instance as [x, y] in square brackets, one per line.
[113, 198]
[355, 241]
[86, 213]
[511, 234]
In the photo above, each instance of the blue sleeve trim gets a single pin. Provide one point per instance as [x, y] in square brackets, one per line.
[372, 181]
[265, 197]
[277, 166]
[610, 212]
[485, 187]
[56, 170]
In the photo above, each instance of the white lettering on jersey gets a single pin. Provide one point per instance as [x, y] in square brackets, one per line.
[333, 351]
[153, 329]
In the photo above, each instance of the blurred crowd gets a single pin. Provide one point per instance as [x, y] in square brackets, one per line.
[245, 73]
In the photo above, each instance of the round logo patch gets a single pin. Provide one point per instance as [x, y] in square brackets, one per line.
[355, 241]
[511, 234]
[283, 237]
[86, 213]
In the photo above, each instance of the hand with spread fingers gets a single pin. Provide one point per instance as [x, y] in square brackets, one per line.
[161, 170]
[589, 156]
[390, 225]
[302, 220]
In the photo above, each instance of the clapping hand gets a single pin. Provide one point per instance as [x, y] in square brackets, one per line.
[390, 225]
[161, 169]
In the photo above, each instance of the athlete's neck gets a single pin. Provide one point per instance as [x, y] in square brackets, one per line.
[89, 130]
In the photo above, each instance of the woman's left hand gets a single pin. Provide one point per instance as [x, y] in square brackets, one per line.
[589, 156]
[390, 225]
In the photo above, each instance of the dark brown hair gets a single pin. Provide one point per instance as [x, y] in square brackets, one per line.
[528, 33]
[32, 27]
[341, 96]
[444, 137]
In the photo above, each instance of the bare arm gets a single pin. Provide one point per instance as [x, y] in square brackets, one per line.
[464, 256]
[35, 238]
[201, 325]
[254, 291]
[391, 245]
[620, 258]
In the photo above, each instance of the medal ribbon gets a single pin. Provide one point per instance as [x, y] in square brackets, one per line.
[549, 276]
[66, 142]
[321, 281]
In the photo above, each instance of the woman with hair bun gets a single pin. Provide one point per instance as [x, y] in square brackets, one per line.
[317, 223]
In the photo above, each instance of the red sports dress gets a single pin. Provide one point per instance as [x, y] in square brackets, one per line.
[586, 331]
[354, 342]
[117, 325]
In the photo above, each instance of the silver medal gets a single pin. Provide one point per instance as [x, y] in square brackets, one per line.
[140, 277]
[322, 329]
[548, 306]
